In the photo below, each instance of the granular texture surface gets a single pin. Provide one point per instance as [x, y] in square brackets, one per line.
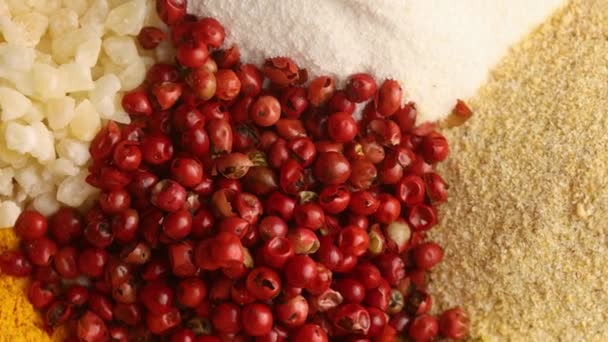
[525, 229]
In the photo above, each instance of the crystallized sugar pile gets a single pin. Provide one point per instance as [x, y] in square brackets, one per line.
[440, 50]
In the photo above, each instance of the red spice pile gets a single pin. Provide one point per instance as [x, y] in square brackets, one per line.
[231, 211]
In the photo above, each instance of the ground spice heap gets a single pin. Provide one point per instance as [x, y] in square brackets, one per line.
[525, 227]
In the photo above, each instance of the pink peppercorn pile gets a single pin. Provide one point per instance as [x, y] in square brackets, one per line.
[235, 209]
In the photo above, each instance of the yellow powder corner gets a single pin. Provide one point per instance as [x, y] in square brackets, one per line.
[19, 322]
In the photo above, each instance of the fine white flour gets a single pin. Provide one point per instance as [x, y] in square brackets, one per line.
[439, 50]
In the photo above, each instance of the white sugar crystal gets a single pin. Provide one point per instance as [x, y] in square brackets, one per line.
[86, 123]
[96, 14]
[121, 50]
[74, 190]
[45, 6]
[76, 77]
[8, 156]
[16, 57]
[20, 138]
[6, 181]
[22, 81]
[79, 6]
[88, 52]
[102, 96]
[13, 104]
[46, 204]
[73, 150]
[46, 80]
[30, 180]
[33, 24]
[127, 19]
[62, 21]
[34, 114]
[133, 75]
[62, 167]
[9, 211]
[64, 46]
[59, 112]
[45, 149]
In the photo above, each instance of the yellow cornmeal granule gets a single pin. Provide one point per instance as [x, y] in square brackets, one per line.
[525, 229]
[18, 320]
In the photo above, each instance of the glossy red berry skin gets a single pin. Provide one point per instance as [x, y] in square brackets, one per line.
[264, 283]
[226, 318]
[15, 264]
[309, 333]
[65, 225]
[157, 297]
[454, 323]
[427, 255]
[423, 328]
[31, 225]
[292, 312]
[300, 271]
[256, 319]
[41, 251]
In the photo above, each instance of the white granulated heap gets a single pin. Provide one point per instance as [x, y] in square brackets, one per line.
[439, 50]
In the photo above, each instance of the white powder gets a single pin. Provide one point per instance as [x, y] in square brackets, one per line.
[439, 50]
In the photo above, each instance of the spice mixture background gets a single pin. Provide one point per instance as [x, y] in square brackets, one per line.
[525, 228]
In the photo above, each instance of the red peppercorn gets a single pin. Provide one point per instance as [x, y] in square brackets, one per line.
[256, 319]
[105, 140]
[263, 283]
[454, 323]
[136, 102]
[422, 217]
[157, 297]
[77, 295]
[209, 31]
[352, 290]
[353, 241]
[277, 251]
[171, 11]
[115, 201]
[127, 156]
[31, 225]
[293, 102]
[435, 147]
[226, 318]
[228, 84]
[342, 127]
[91, 262]
[156, 149]
[292, 312]
[40, 295]
[161, 323]
[427, 255]
[388, 210]
[191, 292]
[360, 88]
[168, 195]
[282, 71]
[90, 327]
[310, 333]
[423, 328]
[65, 225]
[66, 262]
[251, 79]
[332, 168]
[192, 54]
[227, 58]
[265, 111]
[300, 270]
[388, 98]
[321, 90]
[40, 252]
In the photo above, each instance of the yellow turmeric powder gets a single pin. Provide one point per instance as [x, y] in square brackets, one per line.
[19, 322]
